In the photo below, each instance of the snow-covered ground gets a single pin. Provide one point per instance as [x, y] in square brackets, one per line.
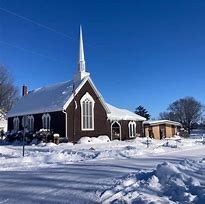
[113, 172]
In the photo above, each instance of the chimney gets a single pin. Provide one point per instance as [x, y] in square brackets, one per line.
[24, 90]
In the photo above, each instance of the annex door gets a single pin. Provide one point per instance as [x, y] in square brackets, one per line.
[115, 131]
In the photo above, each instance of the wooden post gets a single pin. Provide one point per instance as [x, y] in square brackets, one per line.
[147, 141]
[24, 133]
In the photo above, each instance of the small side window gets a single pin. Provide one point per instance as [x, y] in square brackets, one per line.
[16, 123]
[132, 129]
[46, 121]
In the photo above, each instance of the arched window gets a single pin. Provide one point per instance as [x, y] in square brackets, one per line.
[31, 123]
[87, 112]
[46, 120]
[132, 129]
[16, 123]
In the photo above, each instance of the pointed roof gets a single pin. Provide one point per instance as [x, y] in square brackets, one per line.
[81, 63]
[51, 98]
[81, 73]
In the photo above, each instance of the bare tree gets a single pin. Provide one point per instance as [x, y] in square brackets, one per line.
[167, 116]
[8, 91]
[186, 111]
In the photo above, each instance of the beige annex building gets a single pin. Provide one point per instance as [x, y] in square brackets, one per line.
[159, 129]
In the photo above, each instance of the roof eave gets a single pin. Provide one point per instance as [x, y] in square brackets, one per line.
[33, 113]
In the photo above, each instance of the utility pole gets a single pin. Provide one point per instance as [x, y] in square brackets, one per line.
[25, 125]
[74, 107]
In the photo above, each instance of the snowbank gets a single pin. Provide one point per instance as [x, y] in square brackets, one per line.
[88, 149]
[94, 140]
[167, 183]
[84, 140]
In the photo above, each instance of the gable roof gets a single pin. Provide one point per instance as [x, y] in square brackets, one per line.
[100, 97]
[51, 98]
[57, 97]
[122, 114]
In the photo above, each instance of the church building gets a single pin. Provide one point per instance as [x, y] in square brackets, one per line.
[74, 109]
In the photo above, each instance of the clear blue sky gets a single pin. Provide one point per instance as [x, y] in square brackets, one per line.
[138, 52]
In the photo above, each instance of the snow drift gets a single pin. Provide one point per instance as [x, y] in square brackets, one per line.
[167, 183]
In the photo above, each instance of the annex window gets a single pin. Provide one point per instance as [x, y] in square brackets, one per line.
[31, 123]
[87, 112]
[16, 123]
[46, 121]
[132, 129]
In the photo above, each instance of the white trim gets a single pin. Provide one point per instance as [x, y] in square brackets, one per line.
[132, 129]
[158, 122]
[30, 123]
[66, 123]
[16, 123]
[47, 116]
[100, 97]
[119, 127]
[76, 92]
[87, 96]
[95, 90]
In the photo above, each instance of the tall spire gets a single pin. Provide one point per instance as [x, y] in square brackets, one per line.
[81, 63]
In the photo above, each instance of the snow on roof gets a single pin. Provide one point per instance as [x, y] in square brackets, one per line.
[54, 98]
[46, 99]
[157, 122]
[122, 114]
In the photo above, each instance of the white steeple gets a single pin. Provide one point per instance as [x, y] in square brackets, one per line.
[81, 63]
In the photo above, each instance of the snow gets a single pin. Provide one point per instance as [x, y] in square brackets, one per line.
[84, 140]
[3, 124]
[167, 183]
[94, 140]
[197, 133]
[122, 114]
[154, 122]
[174, 138]
[46, 99]
[104, 138]
[109, 172]
[55, 97]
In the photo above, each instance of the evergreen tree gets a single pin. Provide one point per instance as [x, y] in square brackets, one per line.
[140, 110]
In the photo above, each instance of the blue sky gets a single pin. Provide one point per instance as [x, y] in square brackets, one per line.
[138, 52]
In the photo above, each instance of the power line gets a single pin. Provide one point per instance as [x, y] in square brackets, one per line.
[42, 26]
[36, 23]
[30, 51]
